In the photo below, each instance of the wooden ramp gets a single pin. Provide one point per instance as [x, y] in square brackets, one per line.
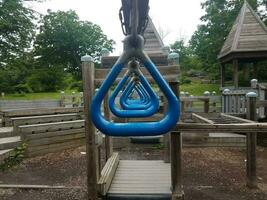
[139, 179]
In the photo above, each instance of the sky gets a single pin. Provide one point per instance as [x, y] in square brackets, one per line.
[177, 18]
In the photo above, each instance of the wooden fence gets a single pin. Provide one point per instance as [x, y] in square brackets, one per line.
[26, 104]
[234, 100]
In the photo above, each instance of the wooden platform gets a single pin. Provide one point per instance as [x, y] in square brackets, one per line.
[139, 179]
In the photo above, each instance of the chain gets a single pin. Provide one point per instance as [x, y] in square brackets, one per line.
[125, 12]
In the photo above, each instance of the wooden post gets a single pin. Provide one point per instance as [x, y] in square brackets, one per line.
[62, 99]
[166, 137]
[222, 75]
[235, 73]
[88, 74]
[108, 139]
[251, 142]
[176, 157]
[73, 99]
[265, 108]
[206, 105]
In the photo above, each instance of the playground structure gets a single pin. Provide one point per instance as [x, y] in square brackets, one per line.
[124, 179]
[244, 47]
[102, 182]
[49, 130]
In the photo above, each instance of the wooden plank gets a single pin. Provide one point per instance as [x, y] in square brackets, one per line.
[56, 139]
[50, 127]
[34, 187]
[141, 180]
[262, 103]
[101, 73]
[41, 150]
[108, 173]
[199, 118]
[157, 59]
[169, 78]
[24, 104]
[225, 128]
[53, 134]
[40, 111]
[17, 121]
[236, 118]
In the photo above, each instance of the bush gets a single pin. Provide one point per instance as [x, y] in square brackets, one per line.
[46, 80]
[77, 85]
[185, 80]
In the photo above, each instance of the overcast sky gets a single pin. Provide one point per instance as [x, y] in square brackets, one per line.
[179, 18]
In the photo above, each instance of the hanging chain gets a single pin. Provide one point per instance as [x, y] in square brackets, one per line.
[128, 10]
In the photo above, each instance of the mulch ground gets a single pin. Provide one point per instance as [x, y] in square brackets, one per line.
[208, 174]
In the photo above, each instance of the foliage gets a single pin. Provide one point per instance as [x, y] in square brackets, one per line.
[63, 39]
[13, 75]
[15, 159]
[46, 79]
[16, 30]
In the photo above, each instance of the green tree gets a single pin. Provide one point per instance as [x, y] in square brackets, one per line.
[64, 38]
[16, 30]
[219, 17]
[188, 60]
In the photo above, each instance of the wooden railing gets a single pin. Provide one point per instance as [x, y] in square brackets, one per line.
[204, 104]
[234, 100]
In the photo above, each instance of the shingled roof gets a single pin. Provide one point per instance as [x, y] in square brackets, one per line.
[248, 35]
[153, 42]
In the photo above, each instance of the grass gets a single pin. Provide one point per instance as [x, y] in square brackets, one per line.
[198, 89]
[195, 88]
[34, 96]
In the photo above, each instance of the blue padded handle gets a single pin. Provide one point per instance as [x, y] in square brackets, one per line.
[126, 99]
[127, 104]
[135, 128]
[134, 113]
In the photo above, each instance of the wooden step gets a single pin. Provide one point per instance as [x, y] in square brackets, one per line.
[141, 180]
[9, 142]
[5, 154]
[19, 121]
[6, 132]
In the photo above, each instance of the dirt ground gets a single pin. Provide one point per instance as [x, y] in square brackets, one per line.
[208, 173]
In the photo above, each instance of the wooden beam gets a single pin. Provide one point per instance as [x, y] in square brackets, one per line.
[34, 187]
[251, 144]
[88, 74]
[108, 173]
[237, 118]
[166, 137]
[235, 73]
[222, 75]
[176, 156]
[199, 118]
[108, 139]
[226, 128]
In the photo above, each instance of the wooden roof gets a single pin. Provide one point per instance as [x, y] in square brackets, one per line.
[247, 38]
[153, 42]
